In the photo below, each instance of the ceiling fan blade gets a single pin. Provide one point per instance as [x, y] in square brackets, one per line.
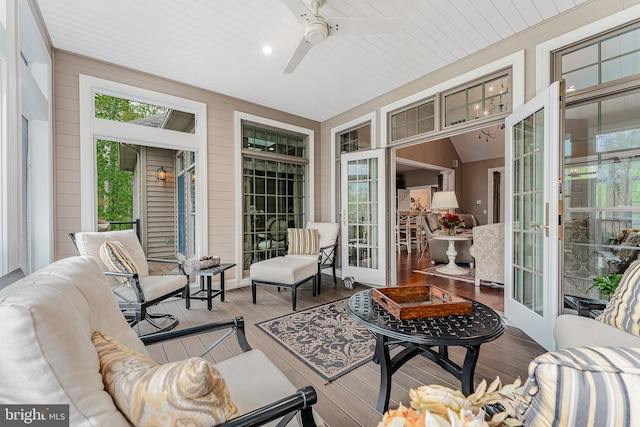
[299, 10]
[303, 48]
[359, 26]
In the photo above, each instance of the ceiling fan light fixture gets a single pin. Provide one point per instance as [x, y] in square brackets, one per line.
[316, 31]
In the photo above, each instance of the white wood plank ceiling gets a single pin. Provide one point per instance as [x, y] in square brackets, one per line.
[217, 44]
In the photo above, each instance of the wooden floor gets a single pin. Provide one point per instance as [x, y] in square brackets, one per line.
[351, 399]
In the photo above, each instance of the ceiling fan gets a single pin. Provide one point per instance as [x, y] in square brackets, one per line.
[317, 28]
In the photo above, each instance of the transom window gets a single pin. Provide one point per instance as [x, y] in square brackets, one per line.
[273, 141]
[356, 139]
[602, 60]
[415, 120]
[478, 100]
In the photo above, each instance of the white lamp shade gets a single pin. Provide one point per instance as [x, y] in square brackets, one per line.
[444, 200]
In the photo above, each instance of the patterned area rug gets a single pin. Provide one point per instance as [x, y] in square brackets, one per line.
[469, 277]
[324, 337]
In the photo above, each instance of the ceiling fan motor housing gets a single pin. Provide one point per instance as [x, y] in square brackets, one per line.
[316, 30]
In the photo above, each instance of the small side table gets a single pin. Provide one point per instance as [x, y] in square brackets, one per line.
[452, 267]
[206, 293]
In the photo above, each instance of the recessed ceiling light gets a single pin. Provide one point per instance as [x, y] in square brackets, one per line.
[267, 50]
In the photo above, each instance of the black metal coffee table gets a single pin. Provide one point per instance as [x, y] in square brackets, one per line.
[418, 336]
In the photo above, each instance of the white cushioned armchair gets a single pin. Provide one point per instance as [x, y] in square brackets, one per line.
[145, 289]
[48, 355]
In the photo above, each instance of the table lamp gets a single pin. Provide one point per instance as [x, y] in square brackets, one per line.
[444, 201]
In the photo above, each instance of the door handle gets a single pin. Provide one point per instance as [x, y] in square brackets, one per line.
[545, 226]
[344, 217]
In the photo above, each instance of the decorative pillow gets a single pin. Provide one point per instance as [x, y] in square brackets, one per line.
[623, 309]
[117, 259]
[303, 241]
[582, 386]
[190, 392]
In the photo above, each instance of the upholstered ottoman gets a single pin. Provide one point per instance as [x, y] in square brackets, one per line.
[285, 272]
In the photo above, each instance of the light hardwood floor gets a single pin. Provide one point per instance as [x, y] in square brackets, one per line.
[351, 399]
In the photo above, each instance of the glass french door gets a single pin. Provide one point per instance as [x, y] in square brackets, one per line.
[532, 215]
[362, 209]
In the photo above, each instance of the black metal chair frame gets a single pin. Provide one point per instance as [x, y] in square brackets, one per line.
[301, 401]
[137, 311]
[327, 259]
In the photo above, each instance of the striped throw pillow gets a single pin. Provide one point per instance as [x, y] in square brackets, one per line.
[189, 392]
[582, 386]
[623, 309]
[303, 241]
[117, 259]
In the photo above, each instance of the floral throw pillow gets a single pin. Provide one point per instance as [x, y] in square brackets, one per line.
[187, 393]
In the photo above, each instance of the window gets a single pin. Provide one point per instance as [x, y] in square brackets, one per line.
[601, 157]
[274, 177]
[272, 141]
[602, 60]
[356, 139]
[186, 203]
[143, 114]
[478, 100]
[412, 121]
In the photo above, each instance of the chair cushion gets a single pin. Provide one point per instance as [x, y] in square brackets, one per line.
[303, 241]
[623, 309]
[287, 270]
[254, 381]
[154, 287]
[188, 392]
[117, 259]
[89, 243]
[584, 386]
[328, 232]
[48, 319]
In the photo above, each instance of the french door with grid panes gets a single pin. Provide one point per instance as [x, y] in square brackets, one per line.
[531, 239]
[362, 210]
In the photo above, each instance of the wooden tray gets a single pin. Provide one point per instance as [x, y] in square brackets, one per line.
[412, 302]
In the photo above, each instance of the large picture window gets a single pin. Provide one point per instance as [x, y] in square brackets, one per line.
[601, 182]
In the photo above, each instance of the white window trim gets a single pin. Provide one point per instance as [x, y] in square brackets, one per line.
[515, 61]
[26, 91]
[335, 131]
[239, 117]
[92, 128]
[544, 50]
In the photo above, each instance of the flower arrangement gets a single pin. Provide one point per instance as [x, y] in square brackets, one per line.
[439, 406]
[450, 222]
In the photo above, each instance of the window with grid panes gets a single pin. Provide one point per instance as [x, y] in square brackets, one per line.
[478, 100]
[274, 191]
[356, 139]
[415, 120]
[605, 59]
[273, 141]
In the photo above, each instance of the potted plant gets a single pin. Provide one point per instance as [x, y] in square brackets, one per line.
[606, 284]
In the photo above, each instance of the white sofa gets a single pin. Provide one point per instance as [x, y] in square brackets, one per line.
[47, 321]
[578, 331]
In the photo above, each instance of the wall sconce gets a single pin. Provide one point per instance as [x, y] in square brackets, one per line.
[193, 177]
[161, 174]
